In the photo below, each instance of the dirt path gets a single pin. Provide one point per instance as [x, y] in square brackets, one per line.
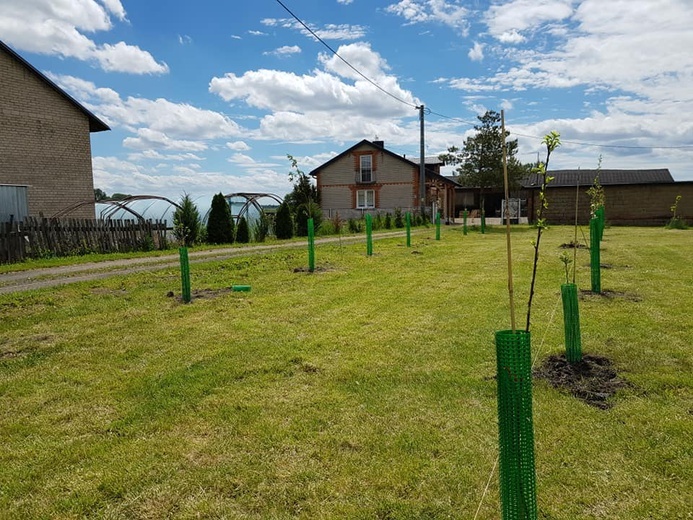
[54, 276]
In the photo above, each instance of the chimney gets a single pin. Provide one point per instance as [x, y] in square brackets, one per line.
[379, 144]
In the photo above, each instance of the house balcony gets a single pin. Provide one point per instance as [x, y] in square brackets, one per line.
[365, 178]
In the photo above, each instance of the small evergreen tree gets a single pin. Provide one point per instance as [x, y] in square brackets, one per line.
[243, 231]
[219, 222]
[186, 222]
[399, 218]
[284, 224]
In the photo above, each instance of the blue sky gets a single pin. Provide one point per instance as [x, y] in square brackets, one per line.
[211, 96]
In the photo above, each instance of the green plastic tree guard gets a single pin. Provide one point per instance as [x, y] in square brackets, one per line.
[311, 245]
[408, 221]
[515, 426]
[369, 235]
[571, 323]
[483, 221]
[595, 261]
[600, 214]
[438, 225]
[464, 221]
[184, 273]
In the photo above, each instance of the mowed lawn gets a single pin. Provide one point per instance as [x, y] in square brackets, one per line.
[363, 390]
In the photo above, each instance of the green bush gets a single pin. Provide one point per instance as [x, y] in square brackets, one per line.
[399, 218]
[243, 231]
[284, 223]
[220, 223]
[388, 221]
[355, 225]
[186, 222]
[261, 228]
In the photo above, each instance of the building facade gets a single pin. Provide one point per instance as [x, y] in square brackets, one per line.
[368, 178]
[44, 139]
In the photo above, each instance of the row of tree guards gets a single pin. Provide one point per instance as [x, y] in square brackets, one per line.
[513, 347]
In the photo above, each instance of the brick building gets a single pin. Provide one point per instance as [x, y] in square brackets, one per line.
[368, 178]
[44, 139]
[632, 197]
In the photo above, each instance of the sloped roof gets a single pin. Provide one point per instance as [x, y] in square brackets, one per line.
[564, 178]
[95, 124]
[429, 173]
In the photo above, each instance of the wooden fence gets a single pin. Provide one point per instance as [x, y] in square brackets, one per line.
[39, 237]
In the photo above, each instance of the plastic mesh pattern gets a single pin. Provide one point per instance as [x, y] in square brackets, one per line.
[311, 245]
[595, 267]
[184, 273]
[515, 426]
[369, 235]
[571, 323]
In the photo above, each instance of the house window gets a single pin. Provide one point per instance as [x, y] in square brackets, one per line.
[365, 199]
[366, 168]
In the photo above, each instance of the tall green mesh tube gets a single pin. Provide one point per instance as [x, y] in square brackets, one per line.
[599, 213]
[407, 218]
[311, 245]
[571, 323]
[464, 221]
[369, 235]
[595, 261]
[438, 225]
[515, 426]
[483, 221]
[184, 273]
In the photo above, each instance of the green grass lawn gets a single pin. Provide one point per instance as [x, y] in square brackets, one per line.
[363, 390]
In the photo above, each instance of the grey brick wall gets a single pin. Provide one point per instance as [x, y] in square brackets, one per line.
[44, 142]
[627, 205]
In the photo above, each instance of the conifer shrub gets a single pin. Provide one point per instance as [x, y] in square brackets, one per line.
[243, 231]
[388, 221]
[219, 222]
[399, 218]
[284, 224]
[186, 222]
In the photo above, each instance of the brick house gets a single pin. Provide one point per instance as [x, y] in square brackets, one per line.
[368, 178]
[632, 197]
[44, 139]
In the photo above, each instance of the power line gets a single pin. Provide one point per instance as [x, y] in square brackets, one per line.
[345, 61]
[459, 120]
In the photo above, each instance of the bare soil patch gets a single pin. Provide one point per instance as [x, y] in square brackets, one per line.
[573, 245]
[594, 380]
[610, 295]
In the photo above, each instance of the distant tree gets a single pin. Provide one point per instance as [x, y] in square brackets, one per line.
[304, 199]
[186, 222]
[480, 162]
[120, 196]
[243, 231]
[99, 195]
[219, 222]
[284, 224]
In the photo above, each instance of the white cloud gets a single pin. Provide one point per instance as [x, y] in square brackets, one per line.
[179, 121]
[115, 175]
[148, 139]
[184, 39]
[507, 21]
[238, 146]
[476, 53]
[324, 97]
[450, 13]
[127, 58]
[328, 32]
[58, 27]
[286, 50]
[254, 33]
[345, 2]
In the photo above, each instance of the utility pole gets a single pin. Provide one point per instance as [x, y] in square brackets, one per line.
[422, 164]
